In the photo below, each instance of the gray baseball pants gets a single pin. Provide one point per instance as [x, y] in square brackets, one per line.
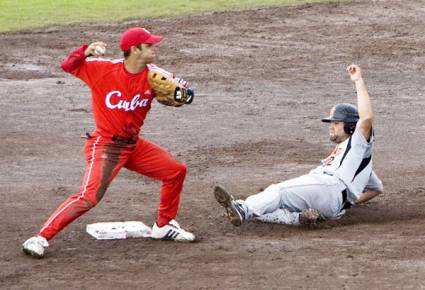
[283, 202]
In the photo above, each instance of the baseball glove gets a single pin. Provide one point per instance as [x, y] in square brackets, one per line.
[169, 90]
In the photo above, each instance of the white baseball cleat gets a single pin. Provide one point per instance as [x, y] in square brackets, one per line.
[172, 232]
[35, 246]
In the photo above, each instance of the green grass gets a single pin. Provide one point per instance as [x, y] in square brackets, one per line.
[26, 14]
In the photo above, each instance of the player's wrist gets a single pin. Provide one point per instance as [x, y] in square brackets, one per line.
[358, 80]
[86, 50]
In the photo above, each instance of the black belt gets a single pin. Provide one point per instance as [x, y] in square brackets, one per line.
[345, 203]
[123, 140]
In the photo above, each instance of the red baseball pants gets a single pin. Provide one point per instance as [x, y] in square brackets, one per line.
[105, 158]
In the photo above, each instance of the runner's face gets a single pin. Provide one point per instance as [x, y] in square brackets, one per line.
[336, 132]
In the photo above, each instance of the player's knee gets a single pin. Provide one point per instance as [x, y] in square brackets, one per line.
[181, 169]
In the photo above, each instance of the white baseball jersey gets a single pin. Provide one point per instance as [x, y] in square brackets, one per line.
[348, 167]
[351, 162]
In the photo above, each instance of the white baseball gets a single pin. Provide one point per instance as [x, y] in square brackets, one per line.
[99, 50]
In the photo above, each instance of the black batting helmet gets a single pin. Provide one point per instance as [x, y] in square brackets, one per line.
[346, 113]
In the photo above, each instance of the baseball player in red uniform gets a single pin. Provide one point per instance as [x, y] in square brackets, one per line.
[121, 99]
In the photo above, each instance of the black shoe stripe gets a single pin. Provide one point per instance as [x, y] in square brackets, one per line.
[171, 235]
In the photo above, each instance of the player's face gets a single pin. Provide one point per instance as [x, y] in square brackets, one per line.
[336, 132]
[148, 53]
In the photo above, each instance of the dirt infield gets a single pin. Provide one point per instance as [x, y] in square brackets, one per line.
[264, 78]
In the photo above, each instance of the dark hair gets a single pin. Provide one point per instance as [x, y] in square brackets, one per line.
[128, 52]
[350, 127]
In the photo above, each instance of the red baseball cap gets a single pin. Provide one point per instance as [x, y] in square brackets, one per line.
[135, 36]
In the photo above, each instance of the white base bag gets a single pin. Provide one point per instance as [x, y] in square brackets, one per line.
[118, 230]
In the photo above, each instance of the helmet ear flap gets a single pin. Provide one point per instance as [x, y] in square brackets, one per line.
[349, 127]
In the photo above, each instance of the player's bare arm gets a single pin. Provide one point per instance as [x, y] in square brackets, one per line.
[363, 101]
[368, 195]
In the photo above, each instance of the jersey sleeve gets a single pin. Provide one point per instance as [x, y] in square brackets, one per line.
[360, 144]
[86, 69]
[374, 182]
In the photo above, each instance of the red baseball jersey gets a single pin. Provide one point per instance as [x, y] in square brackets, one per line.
[120, 100]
